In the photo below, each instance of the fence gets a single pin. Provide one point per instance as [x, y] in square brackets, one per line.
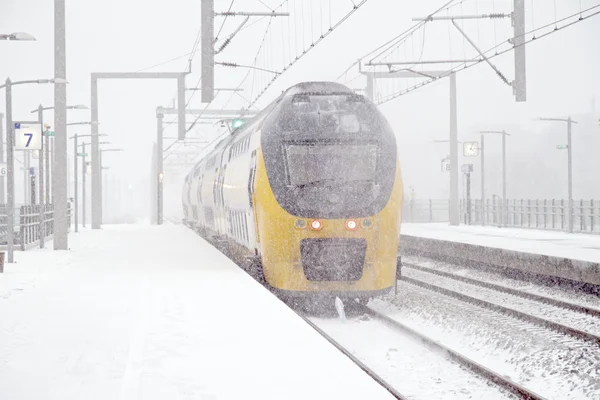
[544, 214]
[28, 226]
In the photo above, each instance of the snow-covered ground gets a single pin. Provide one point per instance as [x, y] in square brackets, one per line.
[585, 247]
[147, 312]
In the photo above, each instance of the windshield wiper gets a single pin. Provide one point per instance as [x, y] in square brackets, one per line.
[338, 182]
[318, 182]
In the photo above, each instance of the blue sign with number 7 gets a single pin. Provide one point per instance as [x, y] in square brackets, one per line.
[29, 139]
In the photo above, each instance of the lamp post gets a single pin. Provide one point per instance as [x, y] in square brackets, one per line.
[100, 164]
[10, 173]
[46, 148]
[504, 135]
[76, 154]
[569, 122]
[18, 36]
[84, 174]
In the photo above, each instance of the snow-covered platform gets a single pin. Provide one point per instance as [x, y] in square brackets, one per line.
[567, 255]
[155, 312]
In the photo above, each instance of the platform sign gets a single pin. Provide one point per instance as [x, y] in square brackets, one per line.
[446, 165]
[28, 136]
[470, 149]
[3, 169]
[562, 146]
[466, 168]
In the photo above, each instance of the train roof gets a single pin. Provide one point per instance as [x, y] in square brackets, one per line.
[317, 87]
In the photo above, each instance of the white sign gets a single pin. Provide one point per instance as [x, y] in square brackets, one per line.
[28, 136]
[3, 169]
[470, 149]
[88, 168]
[445, 164]
[35, 155]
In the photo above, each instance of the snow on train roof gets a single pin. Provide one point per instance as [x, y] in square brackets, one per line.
[315, 87]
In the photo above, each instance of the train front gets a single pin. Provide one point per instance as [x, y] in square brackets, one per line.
[328, 195]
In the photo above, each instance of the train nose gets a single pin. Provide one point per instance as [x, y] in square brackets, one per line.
[333, 259]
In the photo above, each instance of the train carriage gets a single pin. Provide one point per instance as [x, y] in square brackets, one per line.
[310, 191]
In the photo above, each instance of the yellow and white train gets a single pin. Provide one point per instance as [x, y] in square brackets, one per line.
[306, 195]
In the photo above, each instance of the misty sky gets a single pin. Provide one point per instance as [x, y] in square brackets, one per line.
[130, 35]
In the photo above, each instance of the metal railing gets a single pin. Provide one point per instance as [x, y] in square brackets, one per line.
[546, 214]
[27, 225]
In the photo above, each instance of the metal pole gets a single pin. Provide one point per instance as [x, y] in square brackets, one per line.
[2, 188]
[504, 178]
[96, 185]
[520, 83]
[570, 179]
[482, 182]
[59, 167]
[47, 161]
[10, 173]
[454, 212]
[83, 183]
[468, 198]
[101, 187]
[370, 87]
[25, 177]
[159, 167]
[207, 17]
[41, 180]
[75, 202]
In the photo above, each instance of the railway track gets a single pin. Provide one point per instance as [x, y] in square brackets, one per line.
[566, 318]
[502, 382]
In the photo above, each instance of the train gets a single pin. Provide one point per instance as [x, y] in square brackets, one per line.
[306, 195]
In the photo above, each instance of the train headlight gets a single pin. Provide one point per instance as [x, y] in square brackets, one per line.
[300, 224]
[316, 225]
[351, 224]
[367, 223]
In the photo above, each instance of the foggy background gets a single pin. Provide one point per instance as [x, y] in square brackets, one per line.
[133, 35]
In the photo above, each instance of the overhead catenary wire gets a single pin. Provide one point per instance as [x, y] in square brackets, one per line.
[464, 66]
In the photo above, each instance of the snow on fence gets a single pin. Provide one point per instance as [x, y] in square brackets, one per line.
[546, 214]
[28, 226]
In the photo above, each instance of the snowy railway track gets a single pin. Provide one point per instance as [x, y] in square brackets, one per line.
[569, 319]
[355, 360]
[508, 388]
[520, 293]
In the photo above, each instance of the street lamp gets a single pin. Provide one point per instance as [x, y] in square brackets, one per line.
[100, 164]
[19, 36]
[569, 122]
[76, 154]
[46, 147]
[83, 175]
[504, 135]
[10, 157]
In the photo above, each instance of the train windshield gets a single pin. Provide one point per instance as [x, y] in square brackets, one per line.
[328, 164]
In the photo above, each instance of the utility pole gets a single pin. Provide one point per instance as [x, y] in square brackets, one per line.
[504, 202]
[42, 226]
[2, 188]
[518, 22]
[75, 196]
[454, 211]
[159, 167]
[10, 174]
[59, 170]
[483, 210]
[83, 185]
[569, 122]
[207, 15]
